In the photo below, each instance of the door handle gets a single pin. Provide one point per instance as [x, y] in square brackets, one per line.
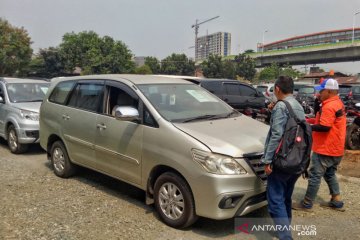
[65, 117]
[101, 126]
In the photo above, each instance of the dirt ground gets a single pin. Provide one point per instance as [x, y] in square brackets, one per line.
[350, 164]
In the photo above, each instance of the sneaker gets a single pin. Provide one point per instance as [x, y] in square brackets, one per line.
[302, 206]
[335, 205]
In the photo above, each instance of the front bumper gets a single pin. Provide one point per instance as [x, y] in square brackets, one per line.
[27, 136]
[211, 193]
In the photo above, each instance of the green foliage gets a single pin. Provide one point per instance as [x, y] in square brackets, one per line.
[144, 69]
[274, 71]
[15, 50]
[248, 51]
[47, 63]
[245, 66]
[94, 54]
[154, 64]
[177, 64]
[213, 67]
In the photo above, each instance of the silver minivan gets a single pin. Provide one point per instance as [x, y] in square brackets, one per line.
[188, 150]
[20, 101]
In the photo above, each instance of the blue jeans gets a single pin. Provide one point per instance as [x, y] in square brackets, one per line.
[322, 166]
[280, 187]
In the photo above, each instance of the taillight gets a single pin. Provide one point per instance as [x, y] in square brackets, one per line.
[350, 94]
[267, 93]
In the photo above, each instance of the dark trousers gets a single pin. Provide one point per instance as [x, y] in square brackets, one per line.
[280, 187]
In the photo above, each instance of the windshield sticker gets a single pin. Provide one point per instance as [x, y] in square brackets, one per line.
[202, 96]
[172, 99]
[44, 89]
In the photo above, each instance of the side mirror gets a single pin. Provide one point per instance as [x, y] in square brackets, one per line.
[127, 113]
[2, 99]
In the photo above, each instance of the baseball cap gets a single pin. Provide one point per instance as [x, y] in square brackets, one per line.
[330, 84]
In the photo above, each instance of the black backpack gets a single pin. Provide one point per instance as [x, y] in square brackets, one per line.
[293, 153]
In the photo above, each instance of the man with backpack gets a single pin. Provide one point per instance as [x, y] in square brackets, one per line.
[329, 132]
[280, 142]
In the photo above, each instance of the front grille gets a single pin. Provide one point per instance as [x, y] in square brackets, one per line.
[254, 161]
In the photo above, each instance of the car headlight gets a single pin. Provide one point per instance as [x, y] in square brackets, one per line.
[34, 116]
[218, 164]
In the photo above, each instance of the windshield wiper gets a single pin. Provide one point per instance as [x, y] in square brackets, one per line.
[202, 117]
[234, 113]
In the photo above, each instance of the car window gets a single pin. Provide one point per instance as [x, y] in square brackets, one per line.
[213, 87]
[27, 92]
[356, 90]
[232, 89]
[247, 91]
[261, 88]
[119, 97]
[61, 92]
[87, 96]
[271, 89]
[344, 90]
[307, 90]
[179, 102]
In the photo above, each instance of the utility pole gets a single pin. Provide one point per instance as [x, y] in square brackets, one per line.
[196, 26]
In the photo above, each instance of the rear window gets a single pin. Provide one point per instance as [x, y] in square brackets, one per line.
[61, 92]
[307, 90]
[344, 89]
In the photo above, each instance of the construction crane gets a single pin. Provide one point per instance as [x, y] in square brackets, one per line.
[196, 26]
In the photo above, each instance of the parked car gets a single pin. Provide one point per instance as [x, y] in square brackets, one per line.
[268, 91]
[238, 95]
[306, 96]
[345, 93]
[189, 151]
[20, 101]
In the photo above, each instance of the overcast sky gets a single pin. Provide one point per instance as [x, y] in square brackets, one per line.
[161, 27]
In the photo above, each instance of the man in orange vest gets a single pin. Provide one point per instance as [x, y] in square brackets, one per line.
[329, 132]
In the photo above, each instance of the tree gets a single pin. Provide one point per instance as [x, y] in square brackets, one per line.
[245, 66]
[248, 51]
[95, 55]
[177, 64]
[274, 71]
[144, 69]
[154, 64]
[213, 67]
[229, 69]
[15, 50]
[48, 63]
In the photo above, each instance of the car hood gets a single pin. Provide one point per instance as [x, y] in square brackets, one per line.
[231, 136]
[30, 106]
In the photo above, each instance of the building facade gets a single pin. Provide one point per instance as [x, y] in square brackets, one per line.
[218, 43]
[335, 36]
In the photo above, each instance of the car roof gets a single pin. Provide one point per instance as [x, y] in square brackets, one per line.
[21, 80]
[133, 78]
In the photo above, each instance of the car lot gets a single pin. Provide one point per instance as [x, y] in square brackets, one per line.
[38, 205]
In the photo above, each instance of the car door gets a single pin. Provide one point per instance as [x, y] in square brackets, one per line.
[252, 98]
[118, 144]
[2, 111]
[79, 121]
[232, 95]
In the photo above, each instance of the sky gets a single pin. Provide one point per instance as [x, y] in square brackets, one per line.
[161, 27]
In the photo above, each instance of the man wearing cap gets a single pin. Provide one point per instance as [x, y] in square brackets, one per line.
[329, 132]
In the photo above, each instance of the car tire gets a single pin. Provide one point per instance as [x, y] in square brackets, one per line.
[176, 214]
[13, 141]
[60, 161]
[352, 139]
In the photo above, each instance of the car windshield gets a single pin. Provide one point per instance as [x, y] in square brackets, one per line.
[307, 90]
[27, 92]
[344, 90]
[185, 102]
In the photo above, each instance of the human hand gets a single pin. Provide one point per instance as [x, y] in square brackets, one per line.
[268, 169]
[271, 106]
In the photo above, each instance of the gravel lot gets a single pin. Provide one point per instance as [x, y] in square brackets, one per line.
[35, 204]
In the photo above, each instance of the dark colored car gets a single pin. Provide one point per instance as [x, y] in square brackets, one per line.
[238, 95]
[345, 93]
[306, 93]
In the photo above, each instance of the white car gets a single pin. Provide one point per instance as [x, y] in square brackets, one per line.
[268, 91]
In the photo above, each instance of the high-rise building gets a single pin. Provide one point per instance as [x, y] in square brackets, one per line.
[217, 43]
